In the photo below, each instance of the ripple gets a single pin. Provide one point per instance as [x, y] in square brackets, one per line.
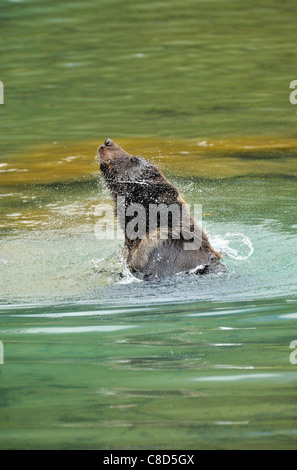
[68, 329]
[235, 378]
[18, 170]
[68, 314]
[14, 214]
[229, 366]
[288, 316]
[230, 423]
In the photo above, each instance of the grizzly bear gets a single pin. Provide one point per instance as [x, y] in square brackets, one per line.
[162, 245]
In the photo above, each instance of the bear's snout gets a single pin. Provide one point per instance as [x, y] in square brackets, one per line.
[111, 152]
[108, 143]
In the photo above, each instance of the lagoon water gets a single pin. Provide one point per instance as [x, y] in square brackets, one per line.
[94, 359]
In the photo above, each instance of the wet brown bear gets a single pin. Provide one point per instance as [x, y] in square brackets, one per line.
[168, 245]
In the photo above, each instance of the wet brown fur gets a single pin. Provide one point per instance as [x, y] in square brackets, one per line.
[142, 182]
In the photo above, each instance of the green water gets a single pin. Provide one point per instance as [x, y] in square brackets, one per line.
[80, 69]
[183, 376]
[94, 359]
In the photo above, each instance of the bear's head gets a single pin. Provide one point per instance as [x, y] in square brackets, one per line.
[135, 177]
[109, 152]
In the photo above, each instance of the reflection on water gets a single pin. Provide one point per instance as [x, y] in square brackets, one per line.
[188, 374]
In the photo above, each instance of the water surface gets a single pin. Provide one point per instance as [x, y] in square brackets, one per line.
[97, 359]
[94, 359]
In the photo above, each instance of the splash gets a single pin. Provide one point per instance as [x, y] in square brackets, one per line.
[127, 277]
[234, 245]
